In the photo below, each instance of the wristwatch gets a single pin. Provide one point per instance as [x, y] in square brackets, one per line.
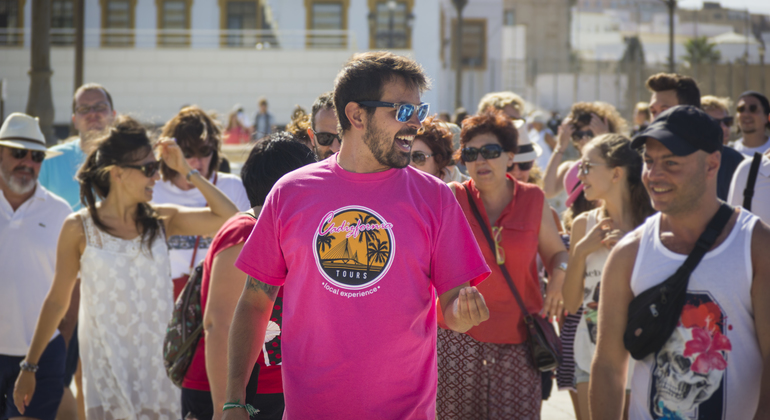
[29, 367]
[562, 266]
[191, 173]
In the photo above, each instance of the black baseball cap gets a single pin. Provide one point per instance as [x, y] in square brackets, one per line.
[683, 129]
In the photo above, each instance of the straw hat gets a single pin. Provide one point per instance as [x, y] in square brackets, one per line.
[21, 131]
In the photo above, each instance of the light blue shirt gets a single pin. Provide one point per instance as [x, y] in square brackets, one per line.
[57, 174]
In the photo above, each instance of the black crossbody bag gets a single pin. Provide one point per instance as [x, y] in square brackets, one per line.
[653, 315]
[544, 343]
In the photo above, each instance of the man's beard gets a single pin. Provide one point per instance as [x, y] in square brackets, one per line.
[19, 186]
[378, 143]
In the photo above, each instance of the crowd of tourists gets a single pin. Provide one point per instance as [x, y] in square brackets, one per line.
[376, 260]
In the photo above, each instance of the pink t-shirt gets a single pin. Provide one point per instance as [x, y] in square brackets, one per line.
[363, 258]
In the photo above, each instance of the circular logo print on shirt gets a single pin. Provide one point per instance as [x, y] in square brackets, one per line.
[353, 247]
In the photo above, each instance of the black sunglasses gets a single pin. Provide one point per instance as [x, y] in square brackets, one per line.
[523, 166]
[202, 152]
[37, 155]
[488, 151]
[752, 108]
[326, 139]
[148, 169]
[579, 135]
[419, 157]
[728, 121]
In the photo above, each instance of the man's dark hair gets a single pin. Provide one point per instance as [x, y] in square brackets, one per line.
[687, 92]
[269, 160]
[365, 75]
[325, 101]
[87, 87]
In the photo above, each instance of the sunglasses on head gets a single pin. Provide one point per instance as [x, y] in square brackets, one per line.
[419, 157]
[487, 151]
[148, 169]
[37, 155]
[524, 166]
[326, 139]
[203, 152]
[580, 135]
[752, 108]
[404, 112]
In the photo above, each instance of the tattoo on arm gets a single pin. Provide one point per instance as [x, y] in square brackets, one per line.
[256, 285]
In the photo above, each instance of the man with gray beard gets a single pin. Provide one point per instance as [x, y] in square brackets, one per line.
[30, 221]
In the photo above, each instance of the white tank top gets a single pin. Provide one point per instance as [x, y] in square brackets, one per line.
[710, 367]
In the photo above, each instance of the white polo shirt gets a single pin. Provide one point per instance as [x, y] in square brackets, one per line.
[760, 204]
[28, 239]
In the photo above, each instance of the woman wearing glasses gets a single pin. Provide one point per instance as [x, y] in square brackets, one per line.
[118, 245]
[611, 173]
[585, 121]
[487, 372]
[432, 151]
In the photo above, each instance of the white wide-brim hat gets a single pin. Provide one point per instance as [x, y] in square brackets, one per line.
[527, 151]
[22, 131]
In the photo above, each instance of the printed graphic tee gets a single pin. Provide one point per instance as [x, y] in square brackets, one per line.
[710, 367]
[362, 258]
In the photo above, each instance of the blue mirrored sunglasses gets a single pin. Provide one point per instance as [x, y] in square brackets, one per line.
[404, 112]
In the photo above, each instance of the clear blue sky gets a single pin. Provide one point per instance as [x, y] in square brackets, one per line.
[754, 6]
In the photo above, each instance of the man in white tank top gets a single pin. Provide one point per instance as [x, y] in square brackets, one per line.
[716, 364]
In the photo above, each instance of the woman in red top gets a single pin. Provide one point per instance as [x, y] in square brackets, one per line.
[203, 389]
[487, 372]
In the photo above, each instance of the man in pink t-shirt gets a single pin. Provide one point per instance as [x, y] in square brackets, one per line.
[363, 245]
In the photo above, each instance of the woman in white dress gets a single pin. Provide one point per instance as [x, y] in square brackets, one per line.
[118, 246]
[611, 173]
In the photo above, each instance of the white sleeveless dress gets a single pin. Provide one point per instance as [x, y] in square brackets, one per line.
[126, 302]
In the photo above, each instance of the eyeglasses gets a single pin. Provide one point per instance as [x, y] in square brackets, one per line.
[752, 108]
[326, 139]
[524, 166]
[585, 167]
[488, 151]
[203, 152]
[580, 135]
[37, 155]
[98, 108]
[497, 233]
[419, 157]
[727, 121]
[404, 112]
[148, 169]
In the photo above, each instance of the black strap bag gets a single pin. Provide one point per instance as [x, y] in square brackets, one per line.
[653, 315]
[748, 193]
[544, 343]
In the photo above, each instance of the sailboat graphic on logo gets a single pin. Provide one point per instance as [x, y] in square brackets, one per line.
[353, 247]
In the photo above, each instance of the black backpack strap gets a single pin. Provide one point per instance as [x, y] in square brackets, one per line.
[708, 237]
[748, 193]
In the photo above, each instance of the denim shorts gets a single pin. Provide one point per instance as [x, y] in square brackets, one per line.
[49, 378]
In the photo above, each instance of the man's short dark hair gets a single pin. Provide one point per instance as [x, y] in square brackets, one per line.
[269, 160]
[325, 101]
[687, 92]
[365, 75]
[91, 86]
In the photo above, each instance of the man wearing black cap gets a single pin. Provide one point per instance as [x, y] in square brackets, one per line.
[753, 119]
[716, 363]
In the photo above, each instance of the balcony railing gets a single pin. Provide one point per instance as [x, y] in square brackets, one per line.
[195, 38]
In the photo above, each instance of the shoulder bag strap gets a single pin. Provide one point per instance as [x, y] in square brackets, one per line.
[748, 193]
[198, 238]
[492, 245]
[708, 237]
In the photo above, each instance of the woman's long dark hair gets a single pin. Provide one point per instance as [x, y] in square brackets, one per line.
[126, 142]
[616, 151]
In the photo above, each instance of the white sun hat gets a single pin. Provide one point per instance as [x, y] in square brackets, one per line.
[528, 151]
[21, 131]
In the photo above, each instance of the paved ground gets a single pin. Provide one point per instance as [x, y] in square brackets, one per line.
[558, 407]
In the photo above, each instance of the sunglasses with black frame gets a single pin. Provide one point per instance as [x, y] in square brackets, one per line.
[326, 139]
[487, 151]
[148, 169]
[36, 155]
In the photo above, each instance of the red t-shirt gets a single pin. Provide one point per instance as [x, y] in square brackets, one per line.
[235, 231]
[520, 221]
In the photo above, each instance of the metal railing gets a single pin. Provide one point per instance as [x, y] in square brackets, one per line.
[194, 38]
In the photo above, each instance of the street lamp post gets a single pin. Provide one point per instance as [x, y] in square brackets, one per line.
[671, 9]
[40, 101]
[391, 22]
[459, 5]
[762, 68]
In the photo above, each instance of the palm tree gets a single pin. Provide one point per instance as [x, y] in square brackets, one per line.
[700, 51]
[323, 241]
[367, 235]
[377, 251]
